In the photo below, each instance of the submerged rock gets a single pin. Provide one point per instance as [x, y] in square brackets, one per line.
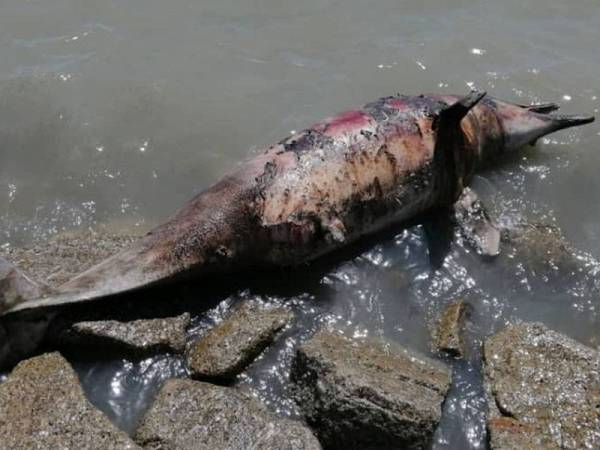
[543, 248]
[229, 347]
[195, 415]
[137, 337]
[42, 405]
[544, 389]
[448, 335]
[367, 394]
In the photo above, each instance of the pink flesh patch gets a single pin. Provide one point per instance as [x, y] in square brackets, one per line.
[347, 122]
[398, 103]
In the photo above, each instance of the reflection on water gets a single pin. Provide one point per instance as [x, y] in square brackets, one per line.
[464, 412]
[122, 388]
[118, 111]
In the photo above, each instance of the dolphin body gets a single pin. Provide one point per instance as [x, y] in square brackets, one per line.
[349, 176]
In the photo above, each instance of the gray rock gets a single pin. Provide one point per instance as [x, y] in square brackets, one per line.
[138, 336]
[475, 224]
[544, 390]
[230, 346]
[448, 335]
[42, 406]
[367, 394]
[543, 248]
[195, 415]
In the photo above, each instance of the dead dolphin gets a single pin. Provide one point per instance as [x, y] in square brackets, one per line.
[343, 178]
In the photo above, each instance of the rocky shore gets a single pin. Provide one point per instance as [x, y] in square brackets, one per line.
[353, 393]
[542, 387]
[42, 405]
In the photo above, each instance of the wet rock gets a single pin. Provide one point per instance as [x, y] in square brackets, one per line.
[544, 390]
[543, 247]
[476, 225]
[42, 405]
[230, 346]
[138, 337]
[367, 394]
[448, 336]
[194, 415]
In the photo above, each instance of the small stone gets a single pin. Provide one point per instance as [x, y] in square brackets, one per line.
[544, 390]
[448, 335]
[193, 415]
[368, 394]
[42, 406]
[229, 347]
[137, 337]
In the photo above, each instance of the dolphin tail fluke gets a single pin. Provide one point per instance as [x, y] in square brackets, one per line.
[15, 286]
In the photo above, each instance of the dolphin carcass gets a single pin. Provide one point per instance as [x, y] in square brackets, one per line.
[346, 177]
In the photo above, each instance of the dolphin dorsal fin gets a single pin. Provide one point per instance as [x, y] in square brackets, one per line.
[455, 112]
[451, 164]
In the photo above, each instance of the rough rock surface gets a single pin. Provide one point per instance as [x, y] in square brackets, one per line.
[544, 389]
[367, 394]
[195, 415]
[138, 336]
[42, 406]
[230, 346]
[448, 336]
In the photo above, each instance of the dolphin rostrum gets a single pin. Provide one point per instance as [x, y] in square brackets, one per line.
[346, 177]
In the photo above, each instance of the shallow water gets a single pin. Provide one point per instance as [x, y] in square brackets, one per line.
[118, 111]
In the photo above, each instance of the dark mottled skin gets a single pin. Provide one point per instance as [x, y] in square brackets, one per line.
[345, 177]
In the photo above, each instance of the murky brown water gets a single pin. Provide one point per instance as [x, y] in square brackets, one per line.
[119, 111]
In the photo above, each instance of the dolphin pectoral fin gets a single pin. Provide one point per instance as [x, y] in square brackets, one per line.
[439, 229]
[542, 108]
[476, 225]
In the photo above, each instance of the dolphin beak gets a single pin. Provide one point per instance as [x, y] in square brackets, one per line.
[560, 122]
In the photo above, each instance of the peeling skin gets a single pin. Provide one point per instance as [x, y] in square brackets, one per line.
[343, 178]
